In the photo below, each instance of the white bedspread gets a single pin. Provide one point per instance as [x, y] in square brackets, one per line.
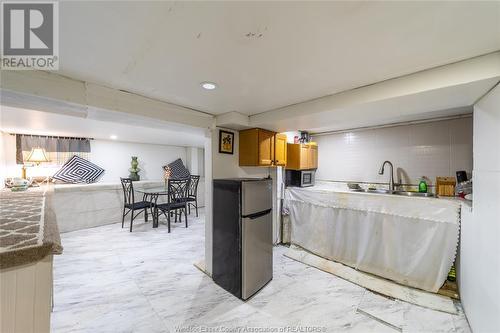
[412, 241]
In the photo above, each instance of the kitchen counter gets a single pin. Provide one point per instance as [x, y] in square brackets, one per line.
[28, 240]
[28, 230]
[410, 240]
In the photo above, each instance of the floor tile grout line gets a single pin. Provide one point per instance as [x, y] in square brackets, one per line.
[369, 315]
[165, 325]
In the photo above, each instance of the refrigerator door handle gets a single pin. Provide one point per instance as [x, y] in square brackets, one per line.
[257, 215]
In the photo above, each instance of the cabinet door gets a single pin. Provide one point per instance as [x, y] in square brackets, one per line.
[292, 156]
[266, 147]
[280, 150]
[304, 157]
[249, 147]
[313, 157]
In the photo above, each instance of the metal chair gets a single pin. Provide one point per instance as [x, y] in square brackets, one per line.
[177, 200]
[129, 204]
[192, 198]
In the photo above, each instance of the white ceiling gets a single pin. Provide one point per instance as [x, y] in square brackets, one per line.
[265, 55]
[99, 124]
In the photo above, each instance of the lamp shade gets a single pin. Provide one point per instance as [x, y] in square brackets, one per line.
[37, 155]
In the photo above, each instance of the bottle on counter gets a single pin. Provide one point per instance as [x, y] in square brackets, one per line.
[422, 186]
[452, 275]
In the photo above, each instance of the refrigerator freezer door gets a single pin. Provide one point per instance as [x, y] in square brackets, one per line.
[257, 254]
[256, 196]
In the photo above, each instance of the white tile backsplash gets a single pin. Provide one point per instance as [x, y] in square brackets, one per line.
[429, 149]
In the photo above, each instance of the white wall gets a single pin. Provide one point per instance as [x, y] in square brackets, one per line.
[479, 273]
[113, 156]
[429, 149]
[12, 169]
[195, 161]
[208, 200]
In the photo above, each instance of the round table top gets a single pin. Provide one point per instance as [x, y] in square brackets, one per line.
[154, 190]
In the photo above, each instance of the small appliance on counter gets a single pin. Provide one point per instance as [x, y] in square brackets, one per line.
[445, 186]
[17, 184]
[461, 176]
[242, 235]
[463, 188]
[300, 178]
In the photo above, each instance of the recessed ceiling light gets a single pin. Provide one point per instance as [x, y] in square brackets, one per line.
[208, 85]
[113, 137]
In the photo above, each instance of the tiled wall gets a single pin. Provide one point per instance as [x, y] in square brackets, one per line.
[428, 149]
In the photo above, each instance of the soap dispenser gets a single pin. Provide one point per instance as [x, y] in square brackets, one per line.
[422, 186]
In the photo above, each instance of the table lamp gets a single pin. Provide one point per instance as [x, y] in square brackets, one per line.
[37, 156]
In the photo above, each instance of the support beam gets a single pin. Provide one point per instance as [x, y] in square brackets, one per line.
[56, 93]
[233, 120]
[445, 87]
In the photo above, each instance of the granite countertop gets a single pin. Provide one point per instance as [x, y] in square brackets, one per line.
[28, 228]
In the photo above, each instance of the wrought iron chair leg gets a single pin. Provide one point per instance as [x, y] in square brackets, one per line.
[196, 206]
[154, 212]
[145, 215]
[186, 216]
[168, 221]
[131, 219]
[123, 216]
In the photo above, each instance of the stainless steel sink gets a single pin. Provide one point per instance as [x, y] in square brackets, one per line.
[414, 194]
[380, 191]
[373, 191]
[403, 193]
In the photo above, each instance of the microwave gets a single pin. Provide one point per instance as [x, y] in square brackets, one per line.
[300, 178]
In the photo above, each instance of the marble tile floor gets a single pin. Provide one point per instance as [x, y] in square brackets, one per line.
[110, 280]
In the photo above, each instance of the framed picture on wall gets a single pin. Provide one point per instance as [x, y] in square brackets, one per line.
[226, 142]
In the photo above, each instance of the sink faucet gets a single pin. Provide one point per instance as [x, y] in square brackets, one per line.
[391, 179]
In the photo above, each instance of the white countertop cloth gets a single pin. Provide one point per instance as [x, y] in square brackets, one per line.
[409, 240]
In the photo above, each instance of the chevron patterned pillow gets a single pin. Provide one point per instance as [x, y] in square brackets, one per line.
[177, 169]
[79, 170]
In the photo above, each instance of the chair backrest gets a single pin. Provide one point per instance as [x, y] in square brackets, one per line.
[128, 190]
[193, 185]
[178, 189]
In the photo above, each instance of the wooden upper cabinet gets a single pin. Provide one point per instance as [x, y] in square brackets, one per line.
[266, 148]
[259, 147]
[302, 156]
[249, 147]
[313, 155]
[280, 150]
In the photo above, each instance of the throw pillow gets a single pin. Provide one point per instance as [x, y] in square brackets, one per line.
[177, 169]
[79, 170]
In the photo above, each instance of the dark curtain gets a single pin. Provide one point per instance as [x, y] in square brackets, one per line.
[50, 144]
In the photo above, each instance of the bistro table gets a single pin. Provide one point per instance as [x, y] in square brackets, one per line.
[152, 195]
